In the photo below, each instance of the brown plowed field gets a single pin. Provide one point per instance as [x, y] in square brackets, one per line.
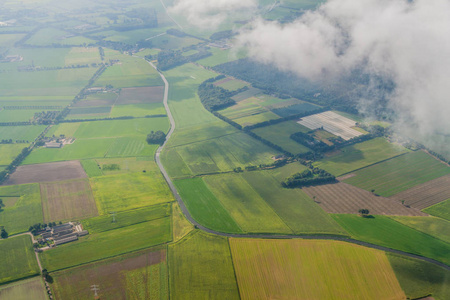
[426, 194]
[67, 200]
[342, 198]
[92, 103]
[136, 276]
[153, 94]
[47, 172]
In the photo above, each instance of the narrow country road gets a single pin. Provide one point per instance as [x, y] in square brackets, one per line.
[266, 236]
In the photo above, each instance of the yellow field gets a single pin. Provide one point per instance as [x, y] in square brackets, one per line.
[312, 269]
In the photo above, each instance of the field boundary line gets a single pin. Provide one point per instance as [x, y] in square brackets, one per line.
[378, 162]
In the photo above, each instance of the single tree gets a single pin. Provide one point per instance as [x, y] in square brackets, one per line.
[4, 234]
[364, 212]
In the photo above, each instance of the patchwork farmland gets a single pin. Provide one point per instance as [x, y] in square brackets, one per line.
[222, 224]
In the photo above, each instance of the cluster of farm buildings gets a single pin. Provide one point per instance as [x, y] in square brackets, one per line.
[64, 233]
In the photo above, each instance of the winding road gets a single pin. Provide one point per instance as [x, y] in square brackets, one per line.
[265, 236]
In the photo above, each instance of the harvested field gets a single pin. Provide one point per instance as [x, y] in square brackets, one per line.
[141, 95]
[141, 275]
[426, 194]
[306, 269]
[331, 122]
[342, 198]
[66, 200]
[47, 172]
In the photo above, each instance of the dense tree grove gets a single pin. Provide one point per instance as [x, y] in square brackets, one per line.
[156, 137]
[315, 176]
[214, 97]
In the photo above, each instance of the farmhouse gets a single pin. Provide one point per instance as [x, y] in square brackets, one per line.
[53, 145]
[65, 233]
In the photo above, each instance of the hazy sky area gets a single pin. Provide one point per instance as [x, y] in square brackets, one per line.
[407, 42]
[209, 14]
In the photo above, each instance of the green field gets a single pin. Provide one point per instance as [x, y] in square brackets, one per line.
[54, 83]
[127, 191]
[48, 36]
[140, 275]
[99, 139]
[293, 206]
[435, 227]
[204, 206]
[80, 149]
[383, 231]
[126, 165]
[22, 133]
[107, 244]
[183, 100]
[24, 210]
[117, 128]
[24, 290]
[18, 115]
[91, 168]
[359, 155]
[200, 267]
[233, 84]
[220, 56]
[280, 133]
[200, 133]
[224, 154]
[130, 72]
[441, 210]
[9, 151]
[138, 110]
[311, 269]
[18, 259]
[127, 218]
[419, 278]
[255, 119]
[245, 205]
[166, 42]
[399, 174]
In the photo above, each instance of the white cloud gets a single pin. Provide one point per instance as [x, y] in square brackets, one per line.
[407, 42]
[209, 14]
